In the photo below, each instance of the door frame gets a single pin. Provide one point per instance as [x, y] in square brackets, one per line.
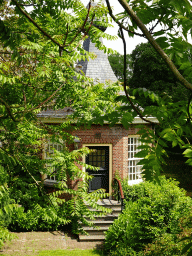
[110, 162]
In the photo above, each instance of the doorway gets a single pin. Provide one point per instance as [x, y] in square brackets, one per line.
[99, 158]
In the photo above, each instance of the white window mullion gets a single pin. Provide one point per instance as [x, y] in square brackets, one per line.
[49, 152]
[134, 170]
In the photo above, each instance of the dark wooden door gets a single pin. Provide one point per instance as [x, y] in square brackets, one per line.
[99, 158]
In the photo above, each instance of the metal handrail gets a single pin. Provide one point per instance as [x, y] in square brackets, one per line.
[120, 194]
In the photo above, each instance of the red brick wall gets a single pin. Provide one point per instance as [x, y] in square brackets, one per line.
[117, 136]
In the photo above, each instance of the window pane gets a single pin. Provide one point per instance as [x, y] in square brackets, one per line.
[48, 155]
[134, 170]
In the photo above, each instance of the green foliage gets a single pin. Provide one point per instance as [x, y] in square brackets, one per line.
[39, 49]
[154, 91]
[172, 244]
[166, 245]
[121, 251]
[5, 235]
[167, 28]
[117, 63]
[151, 211]
[7, 207]
[38, 219]
[155, 76]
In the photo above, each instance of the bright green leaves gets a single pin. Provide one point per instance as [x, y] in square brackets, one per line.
[127, 119]
[173, 135]
[188, 153]
[152, 154]
[39, 50]
[183, 7]
[162, 41]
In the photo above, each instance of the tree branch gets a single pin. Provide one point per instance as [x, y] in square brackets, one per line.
[152, 41]
[66, 34]
[8, 110]
[81, 29]
[28, 5]
[125, 81]
[38, 27]
[86, 32]
[153, 27]
[45, 101]
[119, 23]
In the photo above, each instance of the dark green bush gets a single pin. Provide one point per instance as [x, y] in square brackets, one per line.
[171, 244]
[125, 251]
[55, 213]
[133, 193]
[156, 211]
[37, 219]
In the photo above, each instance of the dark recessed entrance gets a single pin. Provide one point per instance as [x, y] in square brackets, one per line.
[99, 158]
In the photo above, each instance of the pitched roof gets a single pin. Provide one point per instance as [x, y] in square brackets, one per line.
[98, 68]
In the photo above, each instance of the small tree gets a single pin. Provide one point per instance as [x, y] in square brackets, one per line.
[39, 47]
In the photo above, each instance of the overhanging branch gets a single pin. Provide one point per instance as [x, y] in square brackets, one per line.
[38, 27]
[155, 45]
[9, 111]
[125, 81]
[119, 23]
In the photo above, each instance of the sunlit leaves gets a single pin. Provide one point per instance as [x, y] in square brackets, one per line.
[40, 47]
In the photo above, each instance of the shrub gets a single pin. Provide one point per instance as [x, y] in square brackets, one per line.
[156, 211]
[171, 244]
[57, 212]
[7, 206]
[37, 219]
[4, 235]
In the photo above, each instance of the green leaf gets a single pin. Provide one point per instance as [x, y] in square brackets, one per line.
[188, 152]
[186, 248]
[159, 33]
[141, 154]
[162, 41]
[174, 143]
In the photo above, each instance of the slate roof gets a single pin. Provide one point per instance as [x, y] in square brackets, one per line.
[99, 68]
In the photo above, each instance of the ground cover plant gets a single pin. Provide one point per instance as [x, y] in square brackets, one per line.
[152, 210]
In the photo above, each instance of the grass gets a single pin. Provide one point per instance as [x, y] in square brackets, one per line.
[71, 253]
[66, 253]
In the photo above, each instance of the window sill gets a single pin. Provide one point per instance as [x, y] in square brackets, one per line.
[50, 183]
[134, 182]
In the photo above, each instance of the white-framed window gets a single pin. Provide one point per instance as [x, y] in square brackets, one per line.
[134, 170]
[51, 176]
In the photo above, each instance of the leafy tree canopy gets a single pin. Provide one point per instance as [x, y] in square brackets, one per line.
[167, 27]
[151, 72]
[117, 64]
[40, 43]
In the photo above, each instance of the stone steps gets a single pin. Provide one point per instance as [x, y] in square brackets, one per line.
[91, 238]
[101, 223]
